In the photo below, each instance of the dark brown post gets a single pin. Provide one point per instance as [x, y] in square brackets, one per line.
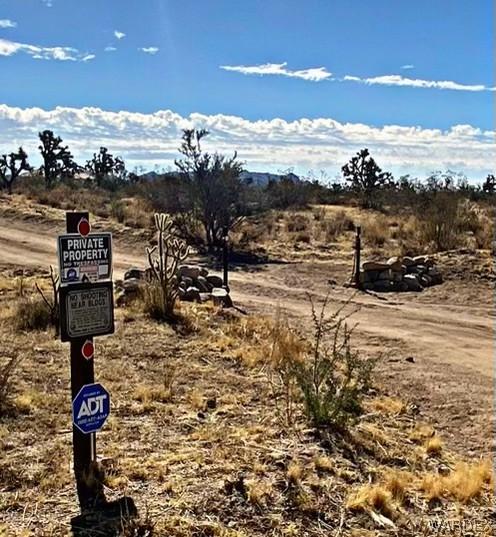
[225, 257]
[82, 372]
[358, 249]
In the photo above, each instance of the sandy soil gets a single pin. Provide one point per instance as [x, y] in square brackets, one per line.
[448, 330]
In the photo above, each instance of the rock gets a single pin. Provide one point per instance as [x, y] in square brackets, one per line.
[392, 260]
[221, 297]
[203, 285]
[188, 282]
[214, 280]
[385, 275]
[408, 261]
[420, 259]
[188, 271]
[413, 283]
[397, 276]
[383, 286]
[205, 297]
[203, 272]
[374, 265]
[134, 274]
[410, 359]
[192, 294]
[131, 285]
[426, 280]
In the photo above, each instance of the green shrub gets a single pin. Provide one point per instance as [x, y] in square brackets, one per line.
[330, 377]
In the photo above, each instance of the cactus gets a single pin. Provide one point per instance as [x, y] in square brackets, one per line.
[164, 259]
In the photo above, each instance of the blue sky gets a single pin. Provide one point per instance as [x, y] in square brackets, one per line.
[289, 83]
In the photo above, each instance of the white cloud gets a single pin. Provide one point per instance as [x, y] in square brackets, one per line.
[88, 57]
[265, 145]
[7, 23]
[119, 35]
[110, 49]
[48, 3]
[314, 74]
[149, 50]
[408, 66]
[8, 48]
[398, 80]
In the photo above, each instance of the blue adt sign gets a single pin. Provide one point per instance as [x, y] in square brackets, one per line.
[90, 408]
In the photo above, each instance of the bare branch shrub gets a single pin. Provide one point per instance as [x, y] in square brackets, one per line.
[53, 303]
[326, 374]
[164, 258]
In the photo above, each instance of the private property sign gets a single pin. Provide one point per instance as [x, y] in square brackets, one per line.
[83, 259]
[86, 309]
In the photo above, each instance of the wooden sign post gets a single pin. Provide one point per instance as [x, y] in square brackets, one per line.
[358, 251]
[225, 258]
[86, 310]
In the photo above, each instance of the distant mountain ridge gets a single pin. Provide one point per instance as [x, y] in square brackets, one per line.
[253, 178]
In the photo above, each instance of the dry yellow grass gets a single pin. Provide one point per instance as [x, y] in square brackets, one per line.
[433, 446]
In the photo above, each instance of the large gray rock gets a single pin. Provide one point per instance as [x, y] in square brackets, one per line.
[408, 261]
[413, 283]
[221, 297]
[385, 275]
[214, 280]
[188, 271]
[383, 286]
[187, 281]
[203, 285]
[203, 272]
[192, 294]
[374, 265]
[134, 274]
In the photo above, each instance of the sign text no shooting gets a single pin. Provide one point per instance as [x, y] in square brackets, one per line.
[85, 258]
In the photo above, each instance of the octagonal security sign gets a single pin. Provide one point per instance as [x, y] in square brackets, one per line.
[91, 408]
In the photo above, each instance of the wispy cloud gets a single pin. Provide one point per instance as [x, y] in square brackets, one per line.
[265, 145]
[110, 49]
[7, 23]
[9, 48]
[119, 35]
[408, 66]
[48, 3]
[314, 74]
[149, 50]
[398, 80]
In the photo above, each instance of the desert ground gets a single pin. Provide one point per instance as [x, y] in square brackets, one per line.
[194, 437]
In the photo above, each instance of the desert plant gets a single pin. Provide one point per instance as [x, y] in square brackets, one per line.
[365, 177]
[105, 167]
[440, 221]
[57, 159]
[10, 170]
[7, 368]
[164, 259]
[335, 377]
[31, 313]
[214, 191]
[53, 303]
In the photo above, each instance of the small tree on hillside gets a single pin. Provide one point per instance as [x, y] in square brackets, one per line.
[57, 159]
[365, 176]
[11, 166]
[104, 165]
[214, 192]
[489, 185]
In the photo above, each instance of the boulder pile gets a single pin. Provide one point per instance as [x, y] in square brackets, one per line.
[195, 285]
[400, 274]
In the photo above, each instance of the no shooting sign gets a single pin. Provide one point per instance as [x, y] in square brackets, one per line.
[86, 309]
[83, 259]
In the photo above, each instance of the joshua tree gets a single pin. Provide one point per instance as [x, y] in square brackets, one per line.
[213, 188]
[365, 176]
[11, 166]
[164, 260]
[489, 185]
[57, 159]
[104, 164]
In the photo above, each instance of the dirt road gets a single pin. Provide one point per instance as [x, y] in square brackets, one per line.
[450, 341]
